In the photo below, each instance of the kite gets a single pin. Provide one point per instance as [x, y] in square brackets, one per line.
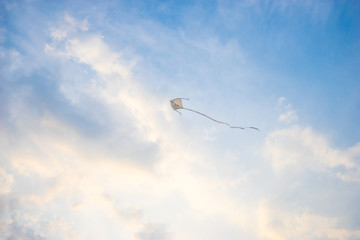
[176, 104]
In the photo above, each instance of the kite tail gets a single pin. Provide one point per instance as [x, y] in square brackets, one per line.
[219, 121]
[245, 127]
[206, 116]
[254, 128]
[178, 112]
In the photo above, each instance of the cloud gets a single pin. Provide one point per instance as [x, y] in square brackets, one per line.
[289, 114]
[114, 85]
[153, 232]
[23, 233]
[142, 175]
[69, 26]
[9, 202]
[318, 12]
[278, 223]
[295, 149]
[58, 146]
[53, 159]
[6, 182]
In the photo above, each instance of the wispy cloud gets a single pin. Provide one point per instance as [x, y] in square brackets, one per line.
[288, 114]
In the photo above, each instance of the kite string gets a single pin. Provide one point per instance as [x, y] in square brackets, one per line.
[219, 121]
[211, 118]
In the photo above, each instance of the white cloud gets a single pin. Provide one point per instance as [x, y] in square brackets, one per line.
[295, 149]
[12, 61]
[79, 169]
[6, 182]
[153, 232]
[277, 223]
[114, 86]
[15, 231]
[69, 26]
[94, 52]
[288, 114]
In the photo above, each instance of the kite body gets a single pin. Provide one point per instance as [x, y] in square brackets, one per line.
[176, 104]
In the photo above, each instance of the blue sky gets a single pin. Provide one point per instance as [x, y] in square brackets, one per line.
[91, 149]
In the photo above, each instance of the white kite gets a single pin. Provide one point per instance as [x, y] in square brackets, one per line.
[176, 104]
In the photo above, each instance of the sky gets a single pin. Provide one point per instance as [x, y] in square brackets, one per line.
[91, 148]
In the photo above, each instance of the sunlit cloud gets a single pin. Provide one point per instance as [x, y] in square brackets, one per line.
[276, 223]
[299, 149]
